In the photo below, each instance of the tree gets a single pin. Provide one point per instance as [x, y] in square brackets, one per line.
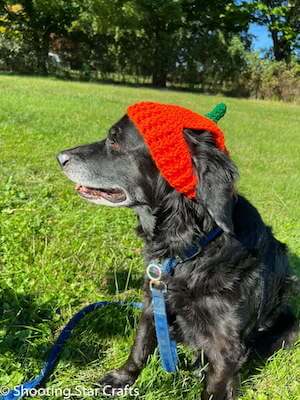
[205, 51]
[176, 40]
[158, 37]
[188, 33]
[37, 20]
[161, 21]
[282, 18]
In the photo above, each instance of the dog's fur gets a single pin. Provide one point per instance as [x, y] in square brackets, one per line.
[231, 299]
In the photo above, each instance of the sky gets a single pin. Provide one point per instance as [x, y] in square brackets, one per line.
[262, 40]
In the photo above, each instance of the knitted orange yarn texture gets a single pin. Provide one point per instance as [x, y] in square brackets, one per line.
[161, 126]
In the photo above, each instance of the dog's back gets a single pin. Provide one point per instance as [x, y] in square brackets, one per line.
[276, 324]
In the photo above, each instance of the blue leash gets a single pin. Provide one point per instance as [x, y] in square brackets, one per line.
[166, 345]
[155, 272]
[19, 391]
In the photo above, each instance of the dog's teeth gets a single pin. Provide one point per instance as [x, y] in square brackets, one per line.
[77, 187]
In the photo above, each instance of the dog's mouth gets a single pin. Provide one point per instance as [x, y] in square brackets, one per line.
[113, 195]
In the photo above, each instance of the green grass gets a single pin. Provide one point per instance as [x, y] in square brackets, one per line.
[58, 253]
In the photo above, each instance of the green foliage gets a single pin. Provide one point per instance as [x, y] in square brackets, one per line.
[252, 76]
[162, 39]
[169, 39]
[15, 55]
[58, 253]
[266, 79]
[282, 19]
[201, 45]
[35, 21]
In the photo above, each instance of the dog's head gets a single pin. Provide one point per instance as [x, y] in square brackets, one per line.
[120, 172]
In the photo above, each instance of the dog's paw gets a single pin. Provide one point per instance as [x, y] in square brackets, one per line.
[116, 382]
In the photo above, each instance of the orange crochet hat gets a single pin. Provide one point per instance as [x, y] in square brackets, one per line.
[161, 126]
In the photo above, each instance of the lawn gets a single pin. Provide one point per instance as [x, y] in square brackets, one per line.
[59, 253]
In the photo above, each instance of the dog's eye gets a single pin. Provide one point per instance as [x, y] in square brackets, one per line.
[112, 138]
[112, 143]
[114, 131]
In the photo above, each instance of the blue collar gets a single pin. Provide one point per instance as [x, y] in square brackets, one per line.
[155, 270]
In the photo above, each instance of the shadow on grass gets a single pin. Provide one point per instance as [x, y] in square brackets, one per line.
[134, 84]
[295, 263]
[97, 334]
[122, 281]
[93, 335]
[28, 329]
[22, 322]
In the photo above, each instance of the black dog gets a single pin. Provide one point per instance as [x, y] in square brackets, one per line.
[231, 299]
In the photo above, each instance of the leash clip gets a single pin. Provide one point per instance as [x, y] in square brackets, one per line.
[154, 271]
[162, 286]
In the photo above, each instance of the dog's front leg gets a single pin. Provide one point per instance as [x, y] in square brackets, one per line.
[144, 345]
[222, 376]
[220, 387]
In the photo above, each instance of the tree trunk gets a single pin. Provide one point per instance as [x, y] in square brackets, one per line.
[42, 50]
[159, 78]
[42, 64]
[281, 47]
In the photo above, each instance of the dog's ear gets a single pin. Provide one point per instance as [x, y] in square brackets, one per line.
[216, 176]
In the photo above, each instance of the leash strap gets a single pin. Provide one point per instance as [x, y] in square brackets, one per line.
[167, 346]
[22, 390]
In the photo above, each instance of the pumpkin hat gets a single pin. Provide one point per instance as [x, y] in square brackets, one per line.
[161, 126]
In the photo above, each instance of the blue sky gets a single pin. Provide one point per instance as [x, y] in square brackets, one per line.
[262, 40]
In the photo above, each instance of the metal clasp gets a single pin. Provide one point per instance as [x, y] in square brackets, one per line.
[154, 271]
[158, 285]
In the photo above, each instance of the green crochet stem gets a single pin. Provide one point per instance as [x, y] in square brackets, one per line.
[217, 113]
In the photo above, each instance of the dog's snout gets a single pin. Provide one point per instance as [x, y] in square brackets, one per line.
[63, 158]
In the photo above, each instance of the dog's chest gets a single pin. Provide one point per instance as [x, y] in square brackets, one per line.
[196, 322]
[198, 311]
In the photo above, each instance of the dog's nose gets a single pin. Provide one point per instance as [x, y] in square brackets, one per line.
[63, 158]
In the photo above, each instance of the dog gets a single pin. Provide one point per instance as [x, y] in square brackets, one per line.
[231, 299]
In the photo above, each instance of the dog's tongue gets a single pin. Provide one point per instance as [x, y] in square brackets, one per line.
[112, 195]
[84, 189]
